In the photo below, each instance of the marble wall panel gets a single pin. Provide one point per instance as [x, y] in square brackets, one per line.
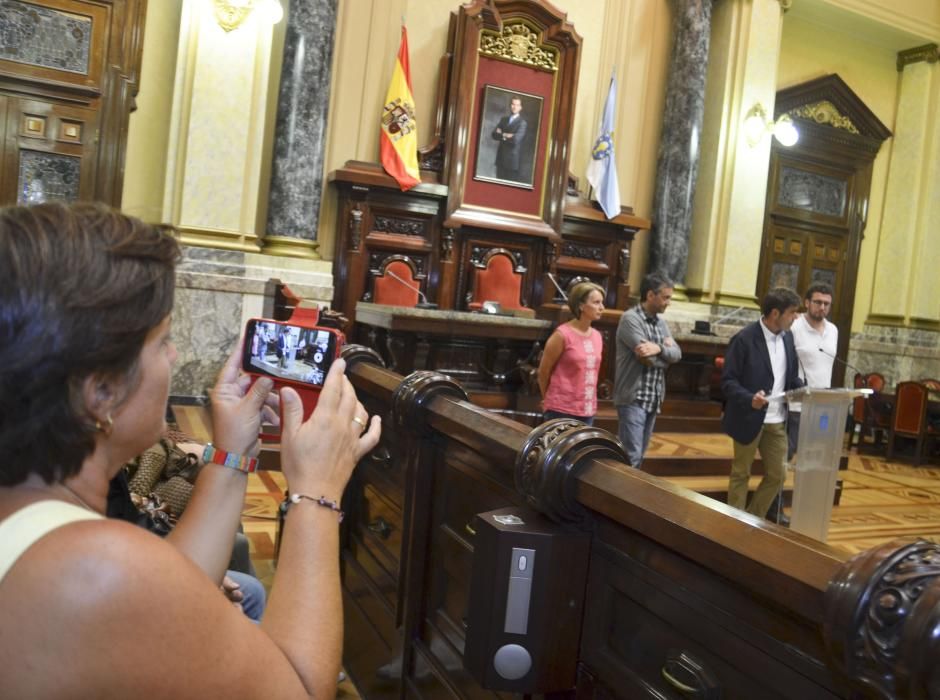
[217, 291]
[898, 353]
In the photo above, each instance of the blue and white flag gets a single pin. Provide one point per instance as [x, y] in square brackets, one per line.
[602, 172]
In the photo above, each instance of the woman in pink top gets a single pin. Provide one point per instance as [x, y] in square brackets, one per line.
[572, 359]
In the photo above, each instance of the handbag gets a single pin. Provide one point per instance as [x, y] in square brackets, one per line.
[164, 471]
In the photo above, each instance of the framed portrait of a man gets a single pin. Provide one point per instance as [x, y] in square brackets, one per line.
[508, 137]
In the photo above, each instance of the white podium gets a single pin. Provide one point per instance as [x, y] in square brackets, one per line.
[822, 430]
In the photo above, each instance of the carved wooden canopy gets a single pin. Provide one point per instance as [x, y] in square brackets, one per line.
[830, 110]
[503, 51]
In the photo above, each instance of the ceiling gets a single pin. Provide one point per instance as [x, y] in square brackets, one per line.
[904, 32]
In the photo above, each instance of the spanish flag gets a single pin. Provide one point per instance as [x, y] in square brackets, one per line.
[399, 138]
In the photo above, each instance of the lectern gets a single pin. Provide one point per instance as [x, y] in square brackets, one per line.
[822, 429]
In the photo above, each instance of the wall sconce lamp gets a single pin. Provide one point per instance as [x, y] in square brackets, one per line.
[757, 123]
[231, 13]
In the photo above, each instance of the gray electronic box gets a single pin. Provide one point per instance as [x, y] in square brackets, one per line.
[526, 601]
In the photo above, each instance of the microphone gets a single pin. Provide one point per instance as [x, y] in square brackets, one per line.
[424, 303]
[851, 367]
[557, 286]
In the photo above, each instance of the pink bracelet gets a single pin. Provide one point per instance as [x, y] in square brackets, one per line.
[321, 501]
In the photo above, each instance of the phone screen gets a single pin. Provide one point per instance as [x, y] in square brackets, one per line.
[285, 351]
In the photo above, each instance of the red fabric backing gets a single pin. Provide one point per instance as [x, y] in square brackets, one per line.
[510, 76]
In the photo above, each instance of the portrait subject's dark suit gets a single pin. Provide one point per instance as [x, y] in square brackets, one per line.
[747, 370]
[509, 152]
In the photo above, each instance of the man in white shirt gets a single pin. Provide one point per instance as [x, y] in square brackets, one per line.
[816, 340]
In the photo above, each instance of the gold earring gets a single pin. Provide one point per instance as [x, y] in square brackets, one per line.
[105, 427]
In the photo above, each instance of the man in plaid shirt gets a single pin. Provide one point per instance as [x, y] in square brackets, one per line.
[645, 348]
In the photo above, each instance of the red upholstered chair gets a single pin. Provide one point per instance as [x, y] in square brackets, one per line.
[396, 292]
[496, 279]
[909, 419]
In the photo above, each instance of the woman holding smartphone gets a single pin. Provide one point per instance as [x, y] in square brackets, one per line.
[85, 365]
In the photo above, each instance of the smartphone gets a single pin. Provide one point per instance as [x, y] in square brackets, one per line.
[289, 352]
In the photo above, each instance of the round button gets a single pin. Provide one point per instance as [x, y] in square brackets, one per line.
[512, 662]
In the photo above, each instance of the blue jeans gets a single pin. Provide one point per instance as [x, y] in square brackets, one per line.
[549, 415]
[635, 428]
[253, 591]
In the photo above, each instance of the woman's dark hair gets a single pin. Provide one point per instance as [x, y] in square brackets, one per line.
[579, 295]
[81, 286]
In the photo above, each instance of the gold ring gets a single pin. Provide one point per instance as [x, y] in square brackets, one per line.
[362, 423]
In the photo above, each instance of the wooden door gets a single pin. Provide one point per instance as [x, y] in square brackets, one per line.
[49, 153]
[68, 77]
[797, 258]
[817, 197]
[812, 231]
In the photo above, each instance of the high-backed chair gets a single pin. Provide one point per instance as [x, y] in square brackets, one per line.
[397, 284]
[858, 415]
[877, 410]
[909, 419]
[496, 278]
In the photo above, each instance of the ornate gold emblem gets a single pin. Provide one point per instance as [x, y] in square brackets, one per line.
[824, 112]
[519, 43]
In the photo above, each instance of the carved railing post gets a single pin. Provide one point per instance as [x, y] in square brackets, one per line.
[354, 354]
[414, 393]
[550, 459]
[409, 418]
[883, 620]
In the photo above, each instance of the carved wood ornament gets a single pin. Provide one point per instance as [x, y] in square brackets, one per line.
[882, 620]
[549, 461]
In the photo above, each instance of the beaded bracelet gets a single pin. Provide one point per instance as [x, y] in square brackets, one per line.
[213, 455]
[321, 501]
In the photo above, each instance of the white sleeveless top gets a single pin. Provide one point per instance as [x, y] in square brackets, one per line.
[25, 527]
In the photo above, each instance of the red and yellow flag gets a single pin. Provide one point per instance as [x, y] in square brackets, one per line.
[399, 137]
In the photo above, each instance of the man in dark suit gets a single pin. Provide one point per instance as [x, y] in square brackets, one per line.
[510, 132]
[761, 362]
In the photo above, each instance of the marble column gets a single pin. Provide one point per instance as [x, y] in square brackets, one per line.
[300, 131]
[677, 163]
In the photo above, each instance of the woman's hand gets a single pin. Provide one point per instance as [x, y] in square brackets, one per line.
[238, 407]
[318, 456]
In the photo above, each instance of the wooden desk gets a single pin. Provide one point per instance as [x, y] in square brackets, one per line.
[481, 351]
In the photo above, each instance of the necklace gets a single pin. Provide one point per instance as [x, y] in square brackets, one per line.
[78, 498]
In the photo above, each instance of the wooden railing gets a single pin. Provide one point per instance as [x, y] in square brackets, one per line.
[685, 596]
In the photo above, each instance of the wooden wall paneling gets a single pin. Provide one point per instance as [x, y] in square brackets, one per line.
[348, 263]
[660, 608]
[7, 149]
[376, 217]
[53, 139]
[447, 271]
[122, 83]
[86, 97]
[371, 538]
[585, 226]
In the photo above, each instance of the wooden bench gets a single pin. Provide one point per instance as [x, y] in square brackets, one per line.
[757, 611]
